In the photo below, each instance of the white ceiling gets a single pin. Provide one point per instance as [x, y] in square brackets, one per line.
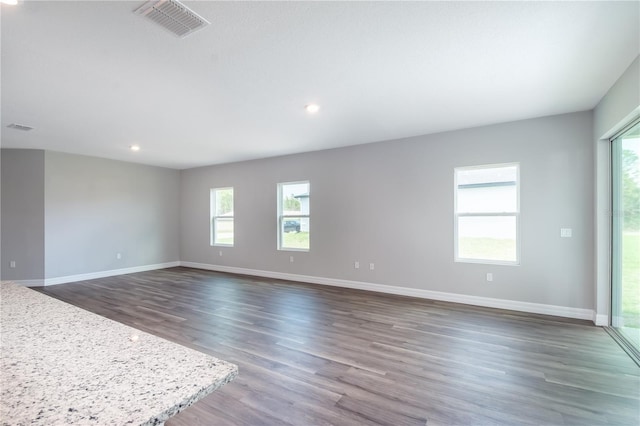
[94, 78]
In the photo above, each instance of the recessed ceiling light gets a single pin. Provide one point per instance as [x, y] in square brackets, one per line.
[312, 108]
[135, 147]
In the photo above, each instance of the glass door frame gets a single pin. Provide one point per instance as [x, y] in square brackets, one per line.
[616, 319]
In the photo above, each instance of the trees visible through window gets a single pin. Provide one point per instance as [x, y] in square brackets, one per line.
[486, 214]
[293, 216]
[222, 217]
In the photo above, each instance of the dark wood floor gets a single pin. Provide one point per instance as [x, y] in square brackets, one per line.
[315, 355]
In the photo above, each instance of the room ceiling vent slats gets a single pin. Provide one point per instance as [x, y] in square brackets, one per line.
[173, 16]
[20, 127]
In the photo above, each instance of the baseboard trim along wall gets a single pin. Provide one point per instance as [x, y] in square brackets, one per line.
[600, 320]
[534, 308]
[27, 283]
[94, 275]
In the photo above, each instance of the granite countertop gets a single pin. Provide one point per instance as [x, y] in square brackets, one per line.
[60, 364]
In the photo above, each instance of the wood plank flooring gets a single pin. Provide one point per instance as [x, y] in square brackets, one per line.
[317, 355]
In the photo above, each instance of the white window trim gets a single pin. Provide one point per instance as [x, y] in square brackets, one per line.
[212, 199]
[282, 217]
[457, 215]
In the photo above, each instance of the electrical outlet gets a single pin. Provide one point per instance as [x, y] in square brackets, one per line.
[290, 259]
[220, 253]
[565, 232]
[489, 276]
[12, 264]
[118, 255]
[371, 266]
[356, 265]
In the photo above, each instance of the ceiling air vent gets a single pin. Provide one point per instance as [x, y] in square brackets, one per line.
[173, 16]
[20, 127]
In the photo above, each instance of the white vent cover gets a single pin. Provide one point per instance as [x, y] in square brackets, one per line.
[20, 127]
[173, 16]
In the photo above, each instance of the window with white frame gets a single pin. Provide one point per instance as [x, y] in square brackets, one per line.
[293, 216]
[222, 217]
[487, 209]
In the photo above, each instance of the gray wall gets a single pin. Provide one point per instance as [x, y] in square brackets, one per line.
[619, 107]
[22, 214]
[620, 102]
[391, 203]
[96, 208]
[65, 214]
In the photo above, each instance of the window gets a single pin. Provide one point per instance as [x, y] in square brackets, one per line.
[487, 207]
[625, 264]
[222, 217]
[293, 216]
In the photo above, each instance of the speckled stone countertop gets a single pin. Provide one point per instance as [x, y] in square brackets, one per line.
[60, 364]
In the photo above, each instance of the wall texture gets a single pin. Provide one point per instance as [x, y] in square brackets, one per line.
[391, 203]
[22, 214]
[96, 208]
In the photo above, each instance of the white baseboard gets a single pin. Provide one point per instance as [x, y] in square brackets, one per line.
[103, 274]
[600, 320]
[29, 283]
[535, 308]
[514, 305]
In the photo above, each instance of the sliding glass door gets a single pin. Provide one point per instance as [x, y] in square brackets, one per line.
[625, 289]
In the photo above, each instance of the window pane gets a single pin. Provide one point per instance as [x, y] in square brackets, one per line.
[293, 216]
[295, 232]
[487, 238]
[222, 216]
[223, 230]
[488, 198]
[224, 202]
[295, 198]
[625, 291]
[481, 193]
